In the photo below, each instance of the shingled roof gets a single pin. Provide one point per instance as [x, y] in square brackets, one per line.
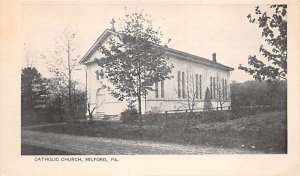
[169, 51]
[196, 59]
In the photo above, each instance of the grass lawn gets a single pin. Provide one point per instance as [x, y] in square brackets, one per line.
[264, 131]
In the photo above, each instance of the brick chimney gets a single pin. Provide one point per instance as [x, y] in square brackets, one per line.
[214, 57]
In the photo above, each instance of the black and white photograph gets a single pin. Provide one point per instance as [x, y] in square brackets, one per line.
[153, 79]
[145, 87]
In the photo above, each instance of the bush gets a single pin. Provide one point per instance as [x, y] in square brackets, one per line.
[130, 115]
[54, 114]
[29, 117]
[258, 93]
[154, 116]
[207, 101]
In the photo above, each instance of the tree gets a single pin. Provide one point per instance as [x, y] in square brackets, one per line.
[207, 100]
[130, 114]
[58, 101]
[134, 59]
[259, 93]
[33, 88]
[191, 94]
[63, 62]
[274, 32]
[91, 110]
[222, 93]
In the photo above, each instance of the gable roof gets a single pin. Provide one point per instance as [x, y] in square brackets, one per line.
[100, 40]
[169, 51]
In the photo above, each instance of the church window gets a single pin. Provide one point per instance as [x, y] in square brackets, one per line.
[183, 85]
[99, 74]
[211, 90]
[178, 83]
[162, 86]
[214, 87]
[197, 93]
[200, 86]
[223, 88]
[156, 89]
[226, 93]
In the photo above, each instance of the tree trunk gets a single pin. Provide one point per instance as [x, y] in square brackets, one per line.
[140, 101]
[140, 114]
[187, 127]
[70, 82]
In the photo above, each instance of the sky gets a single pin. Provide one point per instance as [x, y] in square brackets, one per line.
[197, 29]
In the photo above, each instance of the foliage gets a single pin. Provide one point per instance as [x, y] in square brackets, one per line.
[151, 116]
[191, 94]
[57, 60]
[33, 89]
[274, 32]
[54, 113]
[134, 59]
[80, 102]
[223, 95]
[59, 96]
[207, 101]
[254, 93]
[62, 63]
[43, 102]
[265, 130]
[130, 115]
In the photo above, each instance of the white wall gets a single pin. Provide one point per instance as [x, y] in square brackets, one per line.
[170, 101]
[111, 106]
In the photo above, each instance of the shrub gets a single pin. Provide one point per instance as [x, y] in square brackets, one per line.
[153, 117]
[54, 114]
[207, 101]
[130, 115]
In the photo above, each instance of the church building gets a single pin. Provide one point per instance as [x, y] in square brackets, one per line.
[189, 71]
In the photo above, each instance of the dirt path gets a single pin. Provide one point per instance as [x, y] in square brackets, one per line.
[98, 145]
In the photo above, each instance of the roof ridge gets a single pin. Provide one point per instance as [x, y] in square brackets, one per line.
[199, 58]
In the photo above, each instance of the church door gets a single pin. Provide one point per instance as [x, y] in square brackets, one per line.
[100, 100]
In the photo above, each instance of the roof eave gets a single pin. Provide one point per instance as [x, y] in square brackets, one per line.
[103, 36]
[181, 54]
[197, 60]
